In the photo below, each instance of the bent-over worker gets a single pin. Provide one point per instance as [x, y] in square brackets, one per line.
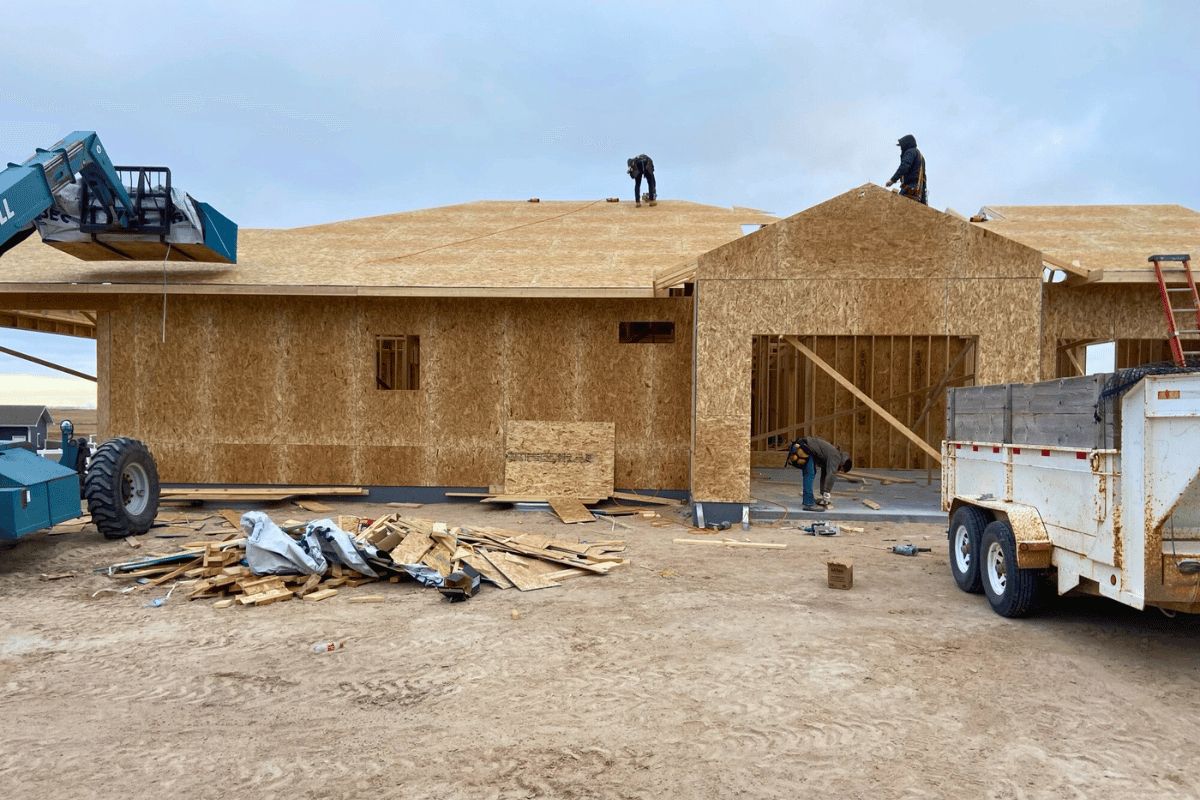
[809, 453]
[639, 166]
[911, 172]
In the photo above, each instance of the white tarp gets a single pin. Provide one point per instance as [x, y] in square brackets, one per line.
[270, 551]
[61, 223]
[337, 545]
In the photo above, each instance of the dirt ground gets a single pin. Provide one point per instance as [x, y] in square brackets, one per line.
[693, 672]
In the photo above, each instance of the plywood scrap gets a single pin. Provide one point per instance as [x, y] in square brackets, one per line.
[487, 571]
[413, 548]
[516, 569]
[571, 510]
[871, 504]
[315, 507]
[321, 595]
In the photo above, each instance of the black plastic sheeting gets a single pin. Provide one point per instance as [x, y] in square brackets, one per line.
[1123, 380]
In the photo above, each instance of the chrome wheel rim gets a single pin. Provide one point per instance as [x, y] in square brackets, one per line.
[997, 572]
[962, 549]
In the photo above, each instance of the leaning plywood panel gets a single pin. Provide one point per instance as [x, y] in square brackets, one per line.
[559, 459]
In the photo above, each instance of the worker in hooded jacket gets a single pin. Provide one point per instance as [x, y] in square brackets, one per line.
[638, 167]
[809, 453]
[911, 172]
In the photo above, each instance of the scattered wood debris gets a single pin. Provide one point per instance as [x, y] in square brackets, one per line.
[732, 543]
[315, 507]
[871, 504]
[528, 561]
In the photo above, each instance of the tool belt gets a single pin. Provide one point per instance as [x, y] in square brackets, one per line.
[910, 191]
[798, 455]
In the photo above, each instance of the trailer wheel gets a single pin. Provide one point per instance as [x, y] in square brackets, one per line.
[966, 532]
[122, 488]
[1012, 591]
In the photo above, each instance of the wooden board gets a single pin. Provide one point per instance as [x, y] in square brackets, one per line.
[412, 549]
[485, 568]
[571, 510]
[559, 459]
[732, 543]
[645, 498]
[517, 570]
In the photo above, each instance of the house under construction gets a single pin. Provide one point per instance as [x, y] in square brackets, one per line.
[397, 351]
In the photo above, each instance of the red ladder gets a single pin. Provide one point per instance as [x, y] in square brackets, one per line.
[1174, 332]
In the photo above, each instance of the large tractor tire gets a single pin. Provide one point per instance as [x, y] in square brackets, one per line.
[122, 488]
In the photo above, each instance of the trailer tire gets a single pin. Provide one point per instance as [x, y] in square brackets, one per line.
[122, 488]
[966, 532]
[1012, 591]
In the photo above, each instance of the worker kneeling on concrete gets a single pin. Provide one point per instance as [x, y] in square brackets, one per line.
[806, 455]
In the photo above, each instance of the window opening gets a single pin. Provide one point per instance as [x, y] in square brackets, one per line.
[397, 362]
[647, 332]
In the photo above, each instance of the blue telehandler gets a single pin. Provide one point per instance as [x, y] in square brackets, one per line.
[119, 482]
[83, 205]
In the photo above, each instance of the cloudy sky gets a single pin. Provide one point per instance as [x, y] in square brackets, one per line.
[283, 114]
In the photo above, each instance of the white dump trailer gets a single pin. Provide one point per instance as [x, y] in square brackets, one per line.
[1086, 484]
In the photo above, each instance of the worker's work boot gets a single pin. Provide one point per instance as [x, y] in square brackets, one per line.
[814, 508]
[638, 204]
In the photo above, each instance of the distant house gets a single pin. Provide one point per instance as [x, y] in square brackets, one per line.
[25, 424]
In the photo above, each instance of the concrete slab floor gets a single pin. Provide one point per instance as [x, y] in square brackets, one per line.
[776, 493]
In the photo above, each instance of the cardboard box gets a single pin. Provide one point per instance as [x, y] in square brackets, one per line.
[841, 573]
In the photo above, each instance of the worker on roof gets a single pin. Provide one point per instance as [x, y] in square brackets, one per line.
[911, 172]
[809, 453]
[639, 166]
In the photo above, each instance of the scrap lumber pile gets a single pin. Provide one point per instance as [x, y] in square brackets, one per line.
[528, 561]
[504, 558]
[214, 571]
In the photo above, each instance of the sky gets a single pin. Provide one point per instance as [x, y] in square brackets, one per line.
[285, 114]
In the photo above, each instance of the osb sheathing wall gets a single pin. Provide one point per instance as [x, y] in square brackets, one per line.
[865, 263]
[282, 390]
[1100, 312]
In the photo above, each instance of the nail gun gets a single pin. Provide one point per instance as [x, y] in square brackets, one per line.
[909, 549]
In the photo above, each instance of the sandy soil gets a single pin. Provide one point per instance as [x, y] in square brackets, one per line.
[694, 672]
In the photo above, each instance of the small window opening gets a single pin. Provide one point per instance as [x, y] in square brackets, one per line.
[647, 333]
[397, 362]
